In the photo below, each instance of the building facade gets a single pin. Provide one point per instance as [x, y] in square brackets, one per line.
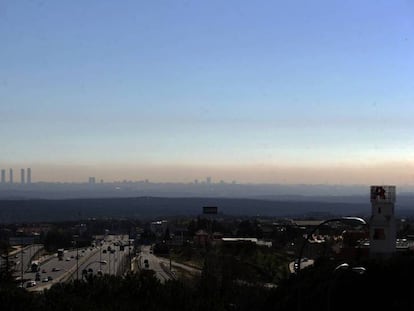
[382, 221]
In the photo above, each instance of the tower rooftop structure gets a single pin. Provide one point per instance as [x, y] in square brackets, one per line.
[382, 222]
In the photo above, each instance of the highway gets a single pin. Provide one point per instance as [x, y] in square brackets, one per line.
[27, 254]
[192, 270]
[89, 258]
[155, 264]
[108, 261]
[57, 269]
[304, 264]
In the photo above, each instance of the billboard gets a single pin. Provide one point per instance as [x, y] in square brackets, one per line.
[383, 194]
[210, 210]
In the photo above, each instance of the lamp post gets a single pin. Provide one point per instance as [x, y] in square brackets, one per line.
[75, 243]
[21, 264]
[358, 220]
[297, 266]
[100, 255]
[109, 262]
[342, 268]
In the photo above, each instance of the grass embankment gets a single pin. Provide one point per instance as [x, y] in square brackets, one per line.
[246, 262]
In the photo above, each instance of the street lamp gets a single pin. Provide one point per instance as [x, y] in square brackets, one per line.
[297, 265]
[342, 268]
[357, 220]
[77, 256]
[100, 255]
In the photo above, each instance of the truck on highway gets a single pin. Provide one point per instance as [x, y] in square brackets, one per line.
[60, 253]
[35, 266]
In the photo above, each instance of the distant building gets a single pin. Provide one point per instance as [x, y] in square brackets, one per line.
[159, 228]
[11, 175]
[3, 176]
[239, 241]
[92, 180]
[201, 238]
[382, 222]
[210, 210]
[208, 180]
[22, 176]
[29, 175]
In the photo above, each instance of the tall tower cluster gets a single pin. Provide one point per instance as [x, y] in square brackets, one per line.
[382, 223]
[22, 177]
[29, 175]
[25, 176]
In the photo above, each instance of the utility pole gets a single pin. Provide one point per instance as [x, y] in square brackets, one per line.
[129, 249]
[100, 256]
[109, 262]
[21, 262]
[75, 243]
[77, 261]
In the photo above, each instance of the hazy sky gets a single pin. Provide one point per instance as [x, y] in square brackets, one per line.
[258, 91]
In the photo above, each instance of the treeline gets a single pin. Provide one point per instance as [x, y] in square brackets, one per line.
[138, 292]
[14, 211]
[386, 285]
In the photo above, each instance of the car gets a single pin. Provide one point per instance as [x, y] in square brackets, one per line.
[104, 251]
[145, 260]
[72, 256]
[55, 269]
[49, 278]
[104, 262]
[31, 284]
[146, 265]
[99, 272]
[83, 251]
[90, 270]
[67, 259]
[45, 280]
[43, 271]
[37, 278]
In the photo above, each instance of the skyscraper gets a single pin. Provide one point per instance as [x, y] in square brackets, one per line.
[11, 175]
[3, 176]
[22, 176]
[29, 175]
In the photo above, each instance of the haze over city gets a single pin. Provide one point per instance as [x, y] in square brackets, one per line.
[177, 91]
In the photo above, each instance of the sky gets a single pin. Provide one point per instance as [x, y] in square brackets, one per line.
[253, 91]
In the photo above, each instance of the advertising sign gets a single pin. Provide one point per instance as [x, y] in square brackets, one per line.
[210, 210]
[384, 194]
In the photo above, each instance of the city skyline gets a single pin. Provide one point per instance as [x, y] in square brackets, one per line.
[345, 175]
[176, 91]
